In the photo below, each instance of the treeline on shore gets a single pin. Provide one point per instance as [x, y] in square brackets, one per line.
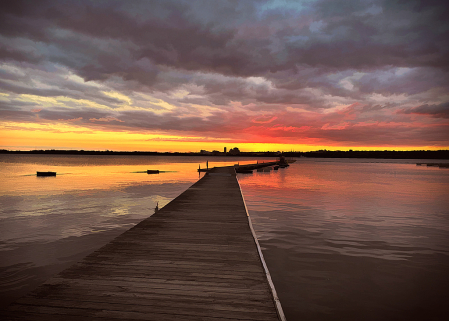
[415, 154]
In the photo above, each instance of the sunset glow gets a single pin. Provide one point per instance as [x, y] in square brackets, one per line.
[262, 76]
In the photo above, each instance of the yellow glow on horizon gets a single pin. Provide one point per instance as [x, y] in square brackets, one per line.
[26, 136]
[64, 136]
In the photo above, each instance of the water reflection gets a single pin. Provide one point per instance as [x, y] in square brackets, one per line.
[347, 240]
[48, 223]
[97, 172]
[343, 239]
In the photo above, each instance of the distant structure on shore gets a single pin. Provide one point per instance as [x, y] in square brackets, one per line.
[234, 151]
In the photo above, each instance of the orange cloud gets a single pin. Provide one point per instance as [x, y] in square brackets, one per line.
[335, 127]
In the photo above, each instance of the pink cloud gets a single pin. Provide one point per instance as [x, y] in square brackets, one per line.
[291, 128]
[264, 120]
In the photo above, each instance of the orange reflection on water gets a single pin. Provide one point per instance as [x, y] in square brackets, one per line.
[85, 173]
[23, 180]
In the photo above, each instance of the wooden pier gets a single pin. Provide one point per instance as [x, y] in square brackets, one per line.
[195, 259]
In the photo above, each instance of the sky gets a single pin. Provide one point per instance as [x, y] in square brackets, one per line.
[254, 74]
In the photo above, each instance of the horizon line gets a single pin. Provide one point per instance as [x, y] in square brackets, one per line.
[221, 152]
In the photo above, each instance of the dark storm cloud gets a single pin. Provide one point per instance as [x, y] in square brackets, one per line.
[194, 36]
[437, 111]
[404, 80]
[368, 34]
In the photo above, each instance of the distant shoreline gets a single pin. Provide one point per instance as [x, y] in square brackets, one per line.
[418, 154]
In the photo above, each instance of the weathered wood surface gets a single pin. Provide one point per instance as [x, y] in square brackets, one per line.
[195, 259]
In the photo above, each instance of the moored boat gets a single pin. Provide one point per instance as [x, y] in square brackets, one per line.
[45, 173]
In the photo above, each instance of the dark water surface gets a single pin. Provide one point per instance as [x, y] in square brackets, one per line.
[343, 239]
[355, 239]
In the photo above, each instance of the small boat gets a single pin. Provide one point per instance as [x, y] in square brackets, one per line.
[45, 173]
[152, 171]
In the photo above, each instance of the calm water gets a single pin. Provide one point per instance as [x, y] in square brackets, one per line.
[343, 239]
[353, 239]
[48, 223]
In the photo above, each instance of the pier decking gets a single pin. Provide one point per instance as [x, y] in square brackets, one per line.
[195, 259]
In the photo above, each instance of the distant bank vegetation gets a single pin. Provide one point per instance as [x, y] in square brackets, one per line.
[415, 154]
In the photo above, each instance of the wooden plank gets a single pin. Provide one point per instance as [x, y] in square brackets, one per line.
[196, 259]
[211, 309]
[106, 293]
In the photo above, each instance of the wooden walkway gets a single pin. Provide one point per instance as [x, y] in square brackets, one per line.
[195, 259]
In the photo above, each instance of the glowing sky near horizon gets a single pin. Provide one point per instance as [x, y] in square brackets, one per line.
[190, 75]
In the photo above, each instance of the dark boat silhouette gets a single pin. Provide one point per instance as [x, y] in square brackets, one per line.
[152, 171]
[45, 173]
